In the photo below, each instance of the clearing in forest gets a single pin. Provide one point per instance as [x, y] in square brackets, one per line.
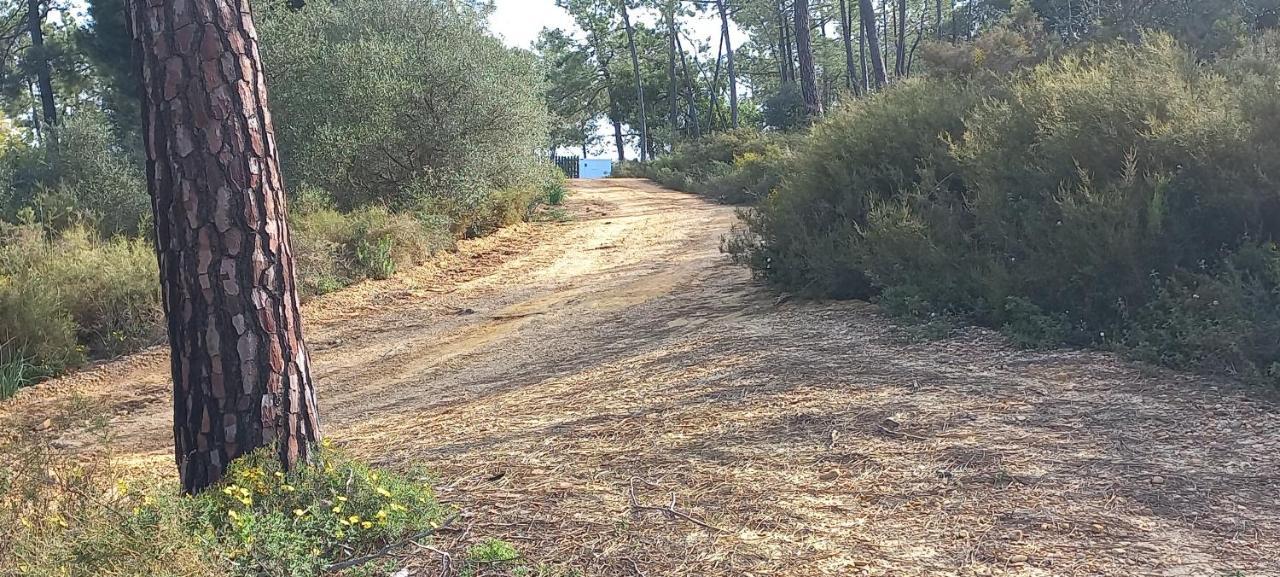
[611, 394]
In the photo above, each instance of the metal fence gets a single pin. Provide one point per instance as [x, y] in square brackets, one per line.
[569, 164]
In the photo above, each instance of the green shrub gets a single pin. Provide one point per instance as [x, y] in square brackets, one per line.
[110, 288]
[1105, 198]
[733, 167]
[79, 518]
[333, 249]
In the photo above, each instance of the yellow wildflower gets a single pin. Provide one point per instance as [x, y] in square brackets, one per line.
[366, 524]
[354, 518]
[383, 492]
[299, 512]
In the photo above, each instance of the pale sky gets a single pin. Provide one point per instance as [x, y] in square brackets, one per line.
[518, 22]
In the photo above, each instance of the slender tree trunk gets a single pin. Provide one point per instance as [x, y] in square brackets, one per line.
[44, 76]
[241, 374]
[782, 55]
[619, 141]
[635, 68]
[938, 19]
[35, 112]
[955, 24]
[733, 72]
[690, 90]
[846, 31]
[920, 33]
[714, 106]
[673, 84]
[900, 22]
[868, 14]
[614, 116]
[885, 37]
[787, 42]
[862, 52]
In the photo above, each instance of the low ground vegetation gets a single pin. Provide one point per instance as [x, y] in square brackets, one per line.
[1120, 196]
[85, 516]
[734, 167]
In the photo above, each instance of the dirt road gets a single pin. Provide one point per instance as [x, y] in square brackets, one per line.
[558, 375]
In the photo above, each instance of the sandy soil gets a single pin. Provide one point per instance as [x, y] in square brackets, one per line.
[569, 381]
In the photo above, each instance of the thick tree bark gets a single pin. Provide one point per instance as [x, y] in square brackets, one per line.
[846, 31]
[804, 48]
[240, 367]
[635, 68]
[868, 13]
[44, 76]
[733, 72]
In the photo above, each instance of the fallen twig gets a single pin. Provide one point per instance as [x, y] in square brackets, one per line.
[671, 510]
[355, 561]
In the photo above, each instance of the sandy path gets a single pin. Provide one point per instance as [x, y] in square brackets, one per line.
[549, 371]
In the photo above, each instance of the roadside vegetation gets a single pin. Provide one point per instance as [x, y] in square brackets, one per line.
[403, 127]
[1118, 194]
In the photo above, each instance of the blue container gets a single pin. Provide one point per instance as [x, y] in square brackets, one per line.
[595, 168]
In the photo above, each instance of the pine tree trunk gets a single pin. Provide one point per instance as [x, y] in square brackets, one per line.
[733, 72]
[240, 368]
[635, 68]
[804, 48]
[44, 76]
[868, 14]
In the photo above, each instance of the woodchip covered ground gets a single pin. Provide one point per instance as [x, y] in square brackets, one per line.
[612, 395]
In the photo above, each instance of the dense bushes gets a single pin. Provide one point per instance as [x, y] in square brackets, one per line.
[1121, 196]
[733, 167]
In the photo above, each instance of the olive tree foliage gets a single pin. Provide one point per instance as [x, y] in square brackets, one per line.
[403, 103]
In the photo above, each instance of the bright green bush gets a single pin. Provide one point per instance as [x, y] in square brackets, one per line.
[1098, 199]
